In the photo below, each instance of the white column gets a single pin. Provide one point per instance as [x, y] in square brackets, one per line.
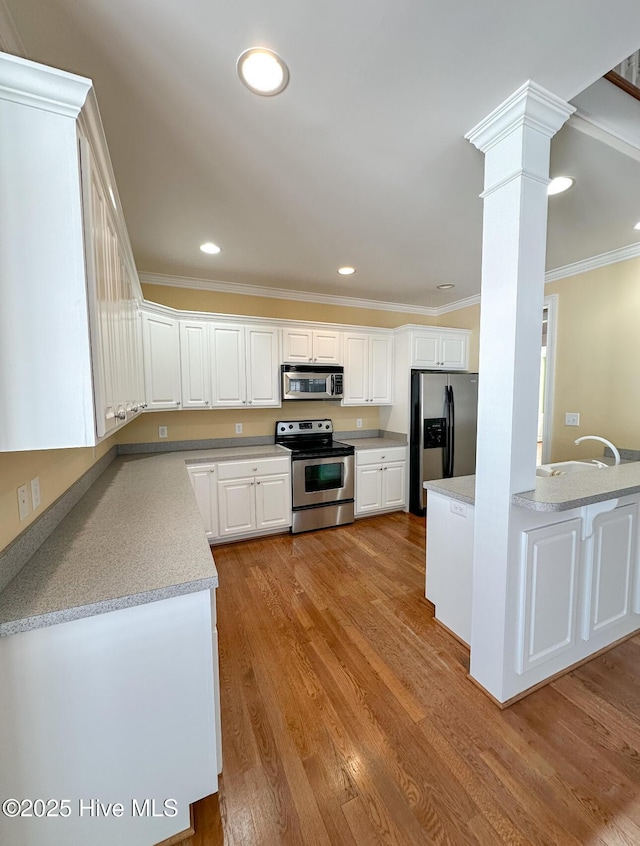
[515, 139]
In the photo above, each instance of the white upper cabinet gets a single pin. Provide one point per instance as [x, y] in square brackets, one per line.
[65, 332]
[244, 364]
[194, 364]
[311, 346]
[446, 349]
[368, 369]
[161, 361]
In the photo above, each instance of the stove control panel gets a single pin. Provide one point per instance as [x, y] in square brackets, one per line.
[304, 427]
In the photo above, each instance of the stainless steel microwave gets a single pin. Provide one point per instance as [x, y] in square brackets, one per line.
[312, 382]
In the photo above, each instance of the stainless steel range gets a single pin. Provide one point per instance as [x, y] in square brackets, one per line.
[322, 474]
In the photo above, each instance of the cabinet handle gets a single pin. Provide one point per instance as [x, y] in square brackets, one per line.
[255, 470]
[250, 401]
[177, 402]
[206, 402]
[212, 470]
[121, 415]
[383, 457]
[252, 483]
[257, 483]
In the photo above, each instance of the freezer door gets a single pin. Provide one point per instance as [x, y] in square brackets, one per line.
[465, 413]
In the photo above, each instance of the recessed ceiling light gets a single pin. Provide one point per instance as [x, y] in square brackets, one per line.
[445, 286]
[559, 184]
[346, 271]
[210, 248]
[263, 71]
[637, 226]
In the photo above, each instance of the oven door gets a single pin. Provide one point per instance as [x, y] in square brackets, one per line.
[318, 480]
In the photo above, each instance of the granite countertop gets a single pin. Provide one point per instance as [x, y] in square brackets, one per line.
[135, 537]
[374, 443]
[556, 493]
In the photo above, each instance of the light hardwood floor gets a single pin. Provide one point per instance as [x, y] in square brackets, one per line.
[348, 718]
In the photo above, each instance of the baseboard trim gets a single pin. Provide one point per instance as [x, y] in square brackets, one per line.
[554, 677]
[181, 836]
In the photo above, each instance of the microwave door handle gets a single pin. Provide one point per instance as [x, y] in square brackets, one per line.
[333, 386]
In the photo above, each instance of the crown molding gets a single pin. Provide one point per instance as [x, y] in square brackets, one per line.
[593, 263]
[10, 41]
[282, 294]
[531, 105]
[41, 87]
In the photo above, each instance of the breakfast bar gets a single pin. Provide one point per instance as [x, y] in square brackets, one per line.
[574, 568]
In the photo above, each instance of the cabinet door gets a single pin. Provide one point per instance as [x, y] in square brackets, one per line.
[368, 488]
[297, 345]
[394, 478]
[203, 481]
[380, 370]
[227, 363]
[611, 570]
[161, 361]
[454, 351]
[194, 364]
[236, 506]
[273, 501]
[425, 349]
[356, 369]
[263, 366]
[327, 347]
[548, 593]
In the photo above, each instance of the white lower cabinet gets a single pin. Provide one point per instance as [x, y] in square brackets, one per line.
[204, 483]
[578, 580]
[381, 480]
[243, 498]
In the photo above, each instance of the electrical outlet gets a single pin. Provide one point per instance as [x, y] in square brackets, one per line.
[163, 432]
[359, 423]
[238, 428]
[458, 508]
[35, 492]
[23, 502]
[572, 419]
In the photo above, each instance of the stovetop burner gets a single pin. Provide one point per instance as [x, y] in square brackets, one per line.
[310, 439]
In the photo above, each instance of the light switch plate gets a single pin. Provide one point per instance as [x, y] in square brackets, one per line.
[571, 418]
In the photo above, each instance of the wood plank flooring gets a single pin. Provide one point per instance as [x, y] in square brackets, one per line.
[348, 718]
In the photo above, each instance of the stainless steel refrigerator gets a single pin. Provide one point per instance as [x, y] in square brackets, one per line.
[444, 410]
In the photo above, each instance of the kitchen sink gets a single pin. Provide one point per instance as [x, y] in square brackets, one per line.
[560, 468]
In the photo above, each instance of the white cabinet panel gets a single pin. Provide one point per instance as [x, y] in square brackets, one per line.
[273, 501]
[194, 364]
[368, 369]
[311, 345]
[433, 349]
[356, 371]
[161, 361]
[394, 485]
[381, 363]
[204, 483]
[236, 506]
[548, 592]
[262, 366]
[368, 489]
[227, 351]
[611, 569]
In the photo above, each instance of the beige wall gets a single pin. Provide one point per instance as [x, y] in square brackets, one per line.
[220, 423]
[59, 469]
[597, 369]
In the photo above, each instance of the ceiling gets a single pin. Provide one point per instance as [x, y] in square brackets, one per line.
[362, 159]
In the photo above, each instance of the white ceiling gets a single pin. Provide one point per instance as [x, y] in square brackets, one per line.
[362, 159]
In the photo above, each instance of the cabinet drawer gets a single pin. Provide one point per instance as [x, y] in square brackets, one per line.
[378, 456]
[258, 467]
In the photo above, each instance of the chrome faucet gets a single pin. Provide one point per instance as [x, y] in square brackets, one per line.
[615, 452]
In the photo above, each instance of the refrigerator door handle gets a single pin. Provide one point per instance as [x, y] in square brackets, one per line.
[452, 426]
[446, 448]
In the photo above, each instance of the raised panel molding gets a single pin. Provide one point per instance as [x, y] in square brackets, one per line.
[610, 570]
[548, 593]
